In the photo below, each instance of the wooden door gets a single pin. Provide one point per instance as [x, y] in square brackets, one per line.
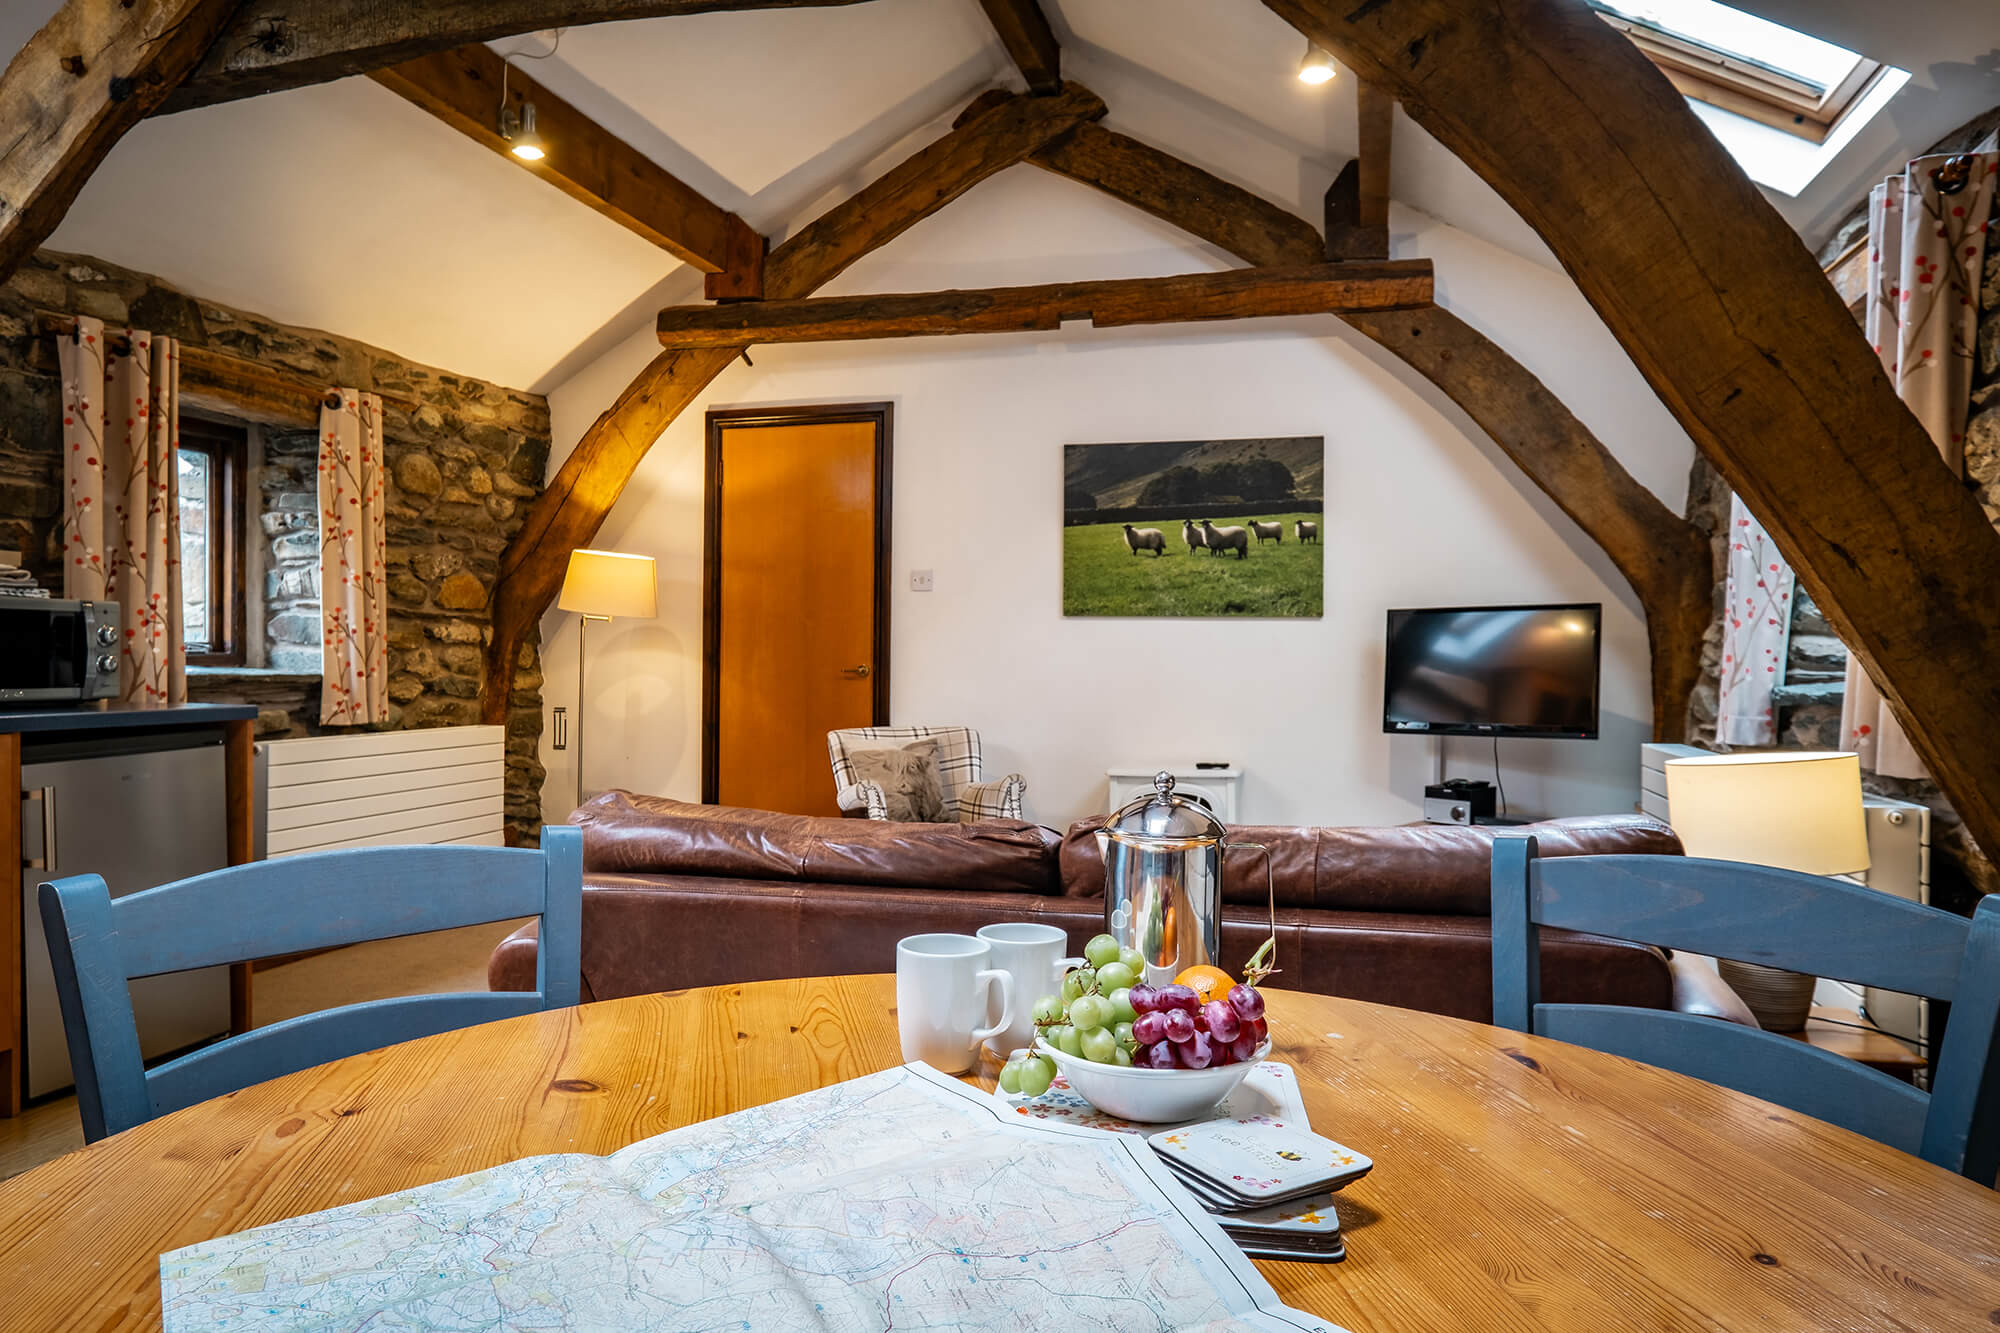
[797, 626]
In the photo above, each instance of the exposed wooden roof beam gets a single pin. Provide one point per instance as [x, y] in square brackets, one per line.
[567, 514]
[94, 71]
[1199, 202]
[259, 391]
[461, 87]
[1663, 556]
[1357, 203]
[1024, 30]
[274, 45]
[1728, 316]
[1250, 293]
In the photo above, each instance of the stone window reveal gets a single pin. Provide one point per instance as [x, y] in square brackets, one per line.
[212, 458]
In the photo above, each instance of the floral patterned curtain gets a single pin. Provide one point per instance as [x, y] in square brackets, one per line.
[1926, 247]
[353, 599]
[121, 522]
[1757, 620]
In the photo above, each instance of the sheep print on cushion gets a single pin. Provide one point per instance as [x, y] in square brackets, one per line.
[908, 777]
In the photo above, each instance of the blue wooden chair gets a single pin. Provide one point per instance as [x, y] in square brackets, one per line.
[1780, 918]
[98, 944]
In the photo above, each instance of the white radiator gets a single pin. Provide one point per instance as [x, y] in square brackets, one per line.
[433, 785]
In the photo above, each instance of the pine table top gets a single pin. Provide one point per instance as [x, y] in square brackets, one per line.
[1519, 1183]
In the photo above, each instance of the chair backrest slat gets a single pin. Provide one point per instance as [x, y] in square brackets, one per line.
[1965, 1086]
[97, 945]
[1783, 919]
[1790, 1073]
[300, 1043]
[1756, 914]
[249, 911]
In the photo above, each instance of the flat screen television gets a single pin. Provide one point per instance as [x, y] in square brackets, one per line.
[1493, 671]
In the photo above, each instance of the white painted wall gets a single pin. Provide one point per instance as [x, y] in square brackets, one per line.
[1421, 509]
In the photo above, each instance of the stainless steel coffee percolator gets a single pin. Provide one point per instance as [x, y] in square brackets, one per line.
[1163, 879]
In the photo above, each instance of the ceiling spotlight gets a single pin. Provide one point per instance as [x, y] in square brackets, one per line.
[1317, 66]
[519, 132]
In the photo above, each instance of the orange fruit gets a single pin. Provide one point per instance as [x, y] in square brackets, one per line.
[1207, 982]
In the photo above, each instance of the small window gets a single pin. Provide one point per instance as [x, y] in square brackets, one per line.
[1747, 65]
[211, 480]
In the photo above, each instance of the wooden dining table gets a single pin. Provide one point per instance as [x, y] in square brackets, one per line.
[1519, 1183]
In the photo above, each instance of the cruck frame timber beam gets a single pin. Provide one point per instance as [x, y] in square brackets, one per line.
[1663, 556]
[1724, 311]
[1024, 30]
[1248, 293]
[461, 87]
[565, 516]
[274, 45]
[94, 71]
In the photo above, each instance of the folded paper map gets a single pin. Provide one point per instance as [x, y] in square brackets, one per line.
[901, 1200]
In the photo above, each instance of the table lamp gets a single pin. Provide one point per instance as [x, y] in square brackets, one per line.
[600, 585]
[1796, 810]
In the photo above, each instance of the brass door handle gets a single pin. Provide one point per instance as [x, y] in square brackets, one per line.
[857, 671]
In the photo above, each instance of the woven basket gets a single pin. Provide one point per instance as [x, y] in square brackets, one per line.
[1781, 1001]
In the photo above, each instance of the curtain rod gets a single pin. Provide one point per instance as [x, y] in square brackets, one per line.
[120, 343]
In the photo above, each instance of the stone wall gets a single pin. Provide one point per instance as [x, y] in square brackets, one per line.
[1809, 701]
[465, 457]
[287, 527]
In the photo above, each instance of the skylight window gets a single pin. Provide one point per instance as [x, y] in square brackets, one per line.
[1746, 65]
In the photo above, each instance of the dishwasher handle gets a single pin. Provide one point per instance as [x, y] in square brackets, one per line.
[46, 798]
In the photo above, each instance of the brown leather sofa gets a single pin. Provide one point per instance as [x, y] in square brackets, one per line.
[679, 895]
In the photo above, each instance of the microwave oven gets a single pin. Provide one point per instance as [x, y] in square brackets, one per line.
[57, 652]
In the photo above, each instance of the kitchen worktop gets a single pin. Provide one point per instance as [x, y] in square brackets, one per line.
[27, 720]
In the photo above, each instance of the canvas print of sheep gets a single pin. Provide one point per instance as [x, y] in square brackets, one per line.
[1194, 528]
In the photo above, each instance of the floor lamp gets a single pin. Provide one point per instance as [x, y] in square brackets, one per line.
[601, 585]
[1797, 810]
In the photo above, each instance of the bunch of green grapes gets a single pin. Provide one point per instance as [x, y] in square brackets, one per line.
[1090, 1018]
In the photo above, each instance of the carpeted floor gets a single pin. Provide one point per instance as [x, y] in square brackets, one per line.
[450, 960]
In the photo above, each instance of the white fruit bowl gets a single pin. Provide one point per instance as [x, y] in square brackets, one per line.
[1151, 1096]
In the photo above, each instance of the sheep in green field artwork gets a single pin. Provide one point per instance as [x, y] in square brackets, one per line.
[1195, 528]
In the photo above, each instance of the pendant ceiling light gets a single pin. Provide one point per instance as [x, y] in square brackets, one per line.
[1317, 66]
[519, 131]
[518, 127]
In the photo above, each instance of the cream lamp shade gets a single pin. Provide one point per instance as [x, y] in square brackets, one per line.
[609, 584]
[1790, 809]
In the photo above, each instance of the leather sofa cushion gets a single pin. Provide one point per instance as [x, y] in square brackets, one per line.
[626, 832]
[1443, 869]
[646, 933]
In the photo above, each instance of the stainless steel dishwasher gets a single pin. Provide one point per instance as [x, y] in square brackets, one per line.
[139, 813]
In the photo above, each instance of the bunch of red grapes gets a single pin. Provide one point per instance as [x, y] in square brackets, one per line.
[1175, 1030]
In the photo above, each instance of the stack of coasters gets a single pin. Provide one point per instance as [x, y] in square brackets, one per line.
[1271, 1183]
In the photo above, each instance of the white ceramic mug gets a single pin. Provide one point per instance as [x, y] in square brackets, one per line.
[942, 983]
[1031, 953]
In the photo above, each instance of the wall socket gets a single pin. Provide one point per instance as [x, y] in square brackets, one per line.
[559, 737]
[920, 580]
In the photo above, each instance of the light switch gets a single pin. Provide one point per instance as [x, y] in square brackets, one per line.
[920, 580]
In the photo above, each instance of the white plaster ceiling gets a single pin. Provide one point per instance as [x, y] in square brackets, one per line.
[754, 96]
[341, 207]
[344, 208]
